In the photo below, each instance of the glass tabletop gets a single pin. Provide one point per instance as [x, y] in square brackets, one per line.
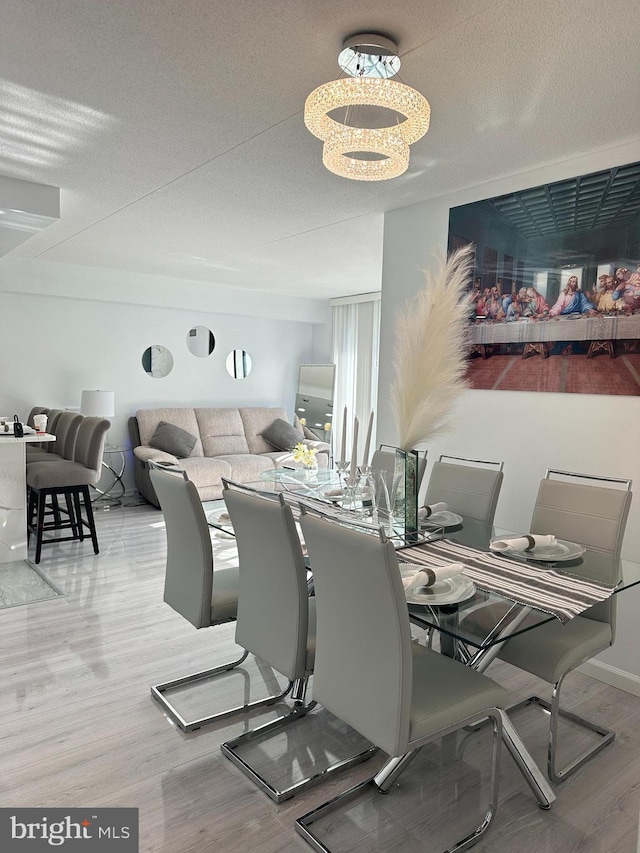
[449, 619]
[217, 516]
[321, 476]
[323, 482]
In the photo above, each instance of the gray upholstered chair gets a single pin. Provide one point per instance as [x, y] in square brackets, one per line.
[594, 516]
[70, 479]
[66, 428]
[276, 619]
[368, 672]
[470, 487]
[67, 425]
[201, 595]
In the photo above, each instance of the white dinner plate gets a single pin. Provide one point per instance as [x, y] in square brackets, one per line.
[562, 550]
[448, 591]
[442, 519]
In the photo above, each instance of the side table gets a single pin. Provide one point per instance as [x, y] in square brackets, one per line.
[114, 462]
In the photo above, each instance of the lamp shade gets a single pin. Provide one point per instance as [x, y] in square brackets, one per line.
[98, 404]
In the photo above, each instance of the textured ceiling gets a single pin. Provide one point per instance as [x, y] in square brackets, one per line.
[174, 127]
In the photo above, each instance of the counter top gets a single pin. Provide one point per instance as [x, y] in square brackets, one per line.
[36, 438]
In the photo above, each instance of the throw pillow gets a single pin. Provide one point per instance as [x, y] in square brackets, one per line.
[173, 439]
[282, 435]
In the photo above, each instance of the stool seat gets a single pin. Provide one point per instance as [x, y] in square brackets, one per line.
[58, 473]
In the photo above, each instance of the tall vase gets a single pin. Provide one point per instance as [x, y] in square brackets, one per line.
[407, 494]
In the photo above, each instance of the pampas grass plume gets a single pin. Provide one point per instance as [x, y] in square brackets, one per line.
[430, 353]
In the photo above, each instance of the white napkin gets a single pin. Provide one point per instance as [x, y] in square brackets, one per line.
[426, 511]
[427, 577]
[522, 543]
[333, 493]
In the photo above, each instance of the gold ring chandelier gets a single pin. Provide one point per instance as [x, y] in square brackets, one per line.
[370, 60]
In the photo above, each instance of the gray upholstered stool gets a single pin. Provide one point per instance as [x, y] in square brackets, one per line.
[38, 452]
[70, 479]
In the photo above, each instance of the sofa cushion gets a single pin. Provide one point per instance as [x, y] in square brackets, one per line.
[256, 419]
[173, 439]
[221, 432]
[247, 467]
[148, 420]
[204, 471]
[282, 435]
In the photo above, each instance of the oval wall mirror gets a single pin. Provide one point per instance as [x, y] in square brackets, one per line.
[238, 364]
[157, 361]
[200, 341]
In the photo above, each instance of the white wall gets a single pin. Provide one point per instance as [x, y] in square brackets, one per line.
[529, 431]
[65, 328]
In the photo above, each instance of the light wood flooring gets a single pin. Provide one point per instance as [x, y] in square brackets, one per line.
[79, 729]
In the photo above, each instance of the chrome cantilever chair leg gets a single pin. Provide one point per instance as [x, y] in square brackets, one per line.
[554, 711]
[299, 710]
[390, 772]
[158, 692]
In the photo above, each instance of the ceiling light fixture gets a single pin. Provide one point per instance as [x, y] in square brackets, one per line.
[352, 147]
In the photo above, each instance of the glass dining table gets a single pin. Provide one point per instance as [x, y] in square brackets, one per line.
[535, 588]
[531, 588]
[526, 583]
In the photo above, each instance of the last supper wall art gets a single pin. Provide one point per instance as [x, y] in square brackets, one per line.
[555, 293]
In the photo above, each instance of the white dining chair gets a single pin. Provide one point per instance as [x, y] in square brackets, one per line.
[276, 621]
[469, 487]
[202, 595]
[369, 673]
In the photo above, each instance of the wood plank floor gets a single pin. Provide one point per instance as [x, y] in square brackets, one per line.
[79, 729]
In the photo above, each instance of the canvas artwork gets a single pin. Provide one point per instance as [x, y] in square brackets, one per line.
[556, 288]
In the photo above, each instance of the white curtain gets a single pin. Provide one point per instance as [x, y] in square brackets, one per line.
[355, 338]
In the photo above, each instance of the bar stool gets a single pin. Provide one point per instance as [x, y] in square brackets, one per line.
[72, 480]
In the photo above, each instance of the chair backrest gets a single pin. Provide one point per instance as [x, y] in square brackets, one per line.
[477, 463]
[468, 490]
[383, 460]
[188, 581]
[90, 443]
[592, 515]
[52, 420]
[66, 432]
[363, 668]
[273, 598]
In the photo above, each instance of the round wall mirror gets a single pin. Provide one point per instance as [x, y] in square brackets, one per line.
[157, 361]
[200, 341]
[238, 364]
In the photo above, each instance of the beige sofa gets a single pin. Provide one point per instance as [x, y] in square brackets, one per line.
[228, 444]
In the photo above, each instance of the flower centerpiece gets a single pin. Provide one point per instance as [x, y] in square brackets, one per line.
[307, 455]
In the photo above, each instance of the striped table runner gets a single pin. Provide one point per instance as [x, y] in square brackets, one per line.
[562, 595]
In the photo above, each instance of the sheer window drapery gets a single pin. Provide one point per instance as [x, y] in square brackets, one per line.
[355, 337]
